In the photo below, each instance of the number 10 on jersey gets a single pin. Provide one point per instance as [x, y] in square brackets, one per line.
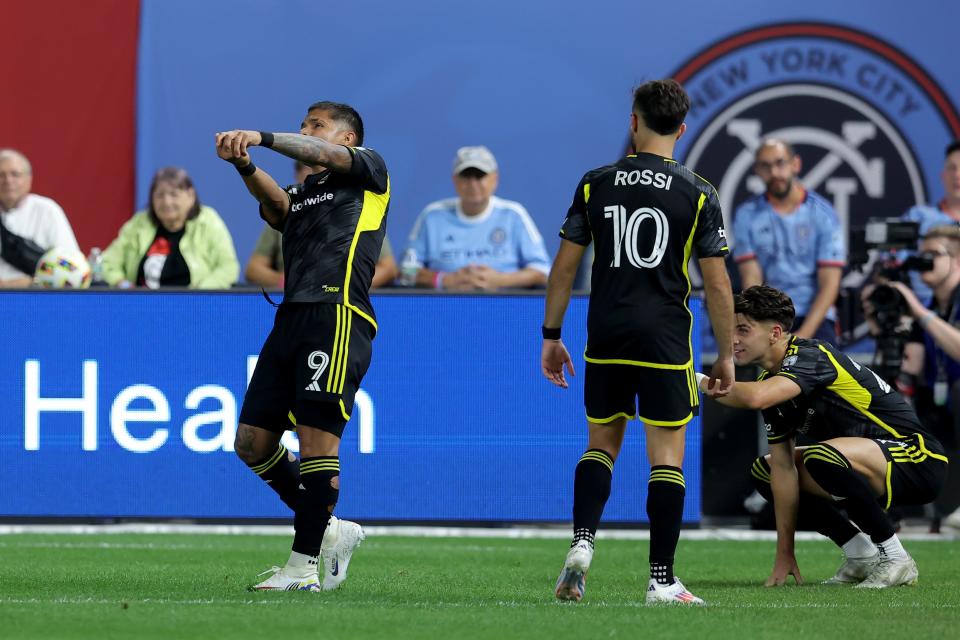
[626, 233]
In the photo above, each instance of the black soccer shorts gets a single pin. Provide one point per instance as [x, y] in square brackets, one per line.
[668, 397]
[309, 369]
[916, 470]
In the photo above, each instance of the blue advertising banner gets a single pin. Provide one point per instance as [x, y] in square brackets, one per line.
[125, 405]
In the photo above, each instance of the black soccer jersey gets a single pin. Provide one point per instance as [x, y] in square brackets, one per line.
[333, 232]
[645, 215]
[839, 397]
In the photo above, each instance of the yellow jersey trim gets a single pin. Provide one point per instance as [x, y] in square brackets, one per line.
[859, 398]
[371, 217]
[343, 411]
[586, 192]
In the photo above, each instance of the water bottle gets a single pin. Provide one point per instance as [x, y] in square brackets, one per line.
[96, 267]
[408, 269]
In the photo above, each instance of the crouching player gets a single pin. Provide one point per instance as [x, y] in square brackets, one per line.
[870, 451]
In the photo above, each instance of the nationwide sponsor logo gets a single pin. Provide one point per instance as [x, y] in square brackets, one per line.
[869, 123]
[311, 201]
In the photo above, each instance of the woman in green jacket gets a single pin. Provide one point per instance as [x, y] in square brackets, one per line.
[176, 242]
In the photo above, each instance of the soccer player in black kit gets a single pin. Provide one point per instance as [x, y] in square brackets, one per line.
[646, 215]
[868, 449]
[312, 362]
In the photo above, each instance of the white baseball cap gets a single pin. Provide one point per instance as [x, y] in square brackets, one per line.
[474, 158]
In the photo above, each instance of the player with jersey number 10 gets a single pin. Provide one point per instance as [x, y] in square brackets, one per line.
[646, 214]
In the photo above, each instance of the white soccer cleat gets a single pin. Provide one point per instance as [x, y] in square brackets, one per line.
[891, 572]
[953, 520]
[572, 582]
[675, 593]
[281, 581]
[340, 540]
[854, 570]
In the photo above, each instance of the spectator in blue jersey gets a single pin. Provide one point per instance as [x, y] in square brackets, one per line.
[791, 239]
[947, 211]
[475, 241]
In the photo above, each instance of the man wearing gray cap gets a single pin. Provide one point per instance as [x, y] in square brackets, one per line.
[475, 241]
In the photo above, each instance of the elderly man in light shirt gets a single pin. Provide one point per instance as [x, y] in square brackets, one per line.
[476, 241]
[28, 215]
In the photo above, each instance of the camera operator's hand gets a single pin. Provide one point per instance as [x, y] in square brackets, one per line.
[916, 307]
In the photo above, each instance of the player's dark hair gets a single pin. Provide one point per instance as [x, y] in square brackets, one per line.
[765, 303]
[953, 146]
[342, 113]
[181, 180]
[663, 104]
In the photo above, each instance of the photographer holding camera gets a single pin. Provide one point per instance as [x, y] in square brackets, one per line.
[932, 351]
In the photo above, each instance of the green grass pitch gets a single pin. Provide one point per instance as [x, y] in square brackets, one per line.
[194, 586]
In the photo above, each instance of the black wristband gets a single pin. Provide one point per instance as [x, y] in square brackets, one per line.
[266, 139]
[550, 333]
[246, 170]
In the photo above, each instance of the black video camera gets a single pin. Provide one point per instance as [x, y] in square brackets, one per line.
[888, 236]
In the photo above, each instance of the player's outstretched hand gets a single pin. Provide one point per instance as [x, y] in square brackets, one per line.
[721, 378]
[783, 567]
[553, 358]
[232, 145]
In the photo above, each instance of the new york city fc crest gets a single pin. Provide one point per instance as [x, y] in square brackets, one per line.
[869, 123]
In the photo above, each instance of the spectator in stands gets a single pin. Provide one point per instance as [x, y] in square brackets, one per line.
[175, 242]
[265, 266]
[947, 211]
[25, 216]
[791, 239]
[930, 370]
[475, 241]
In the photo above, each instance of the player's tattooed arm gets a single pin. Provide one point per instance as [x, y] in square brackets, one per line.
[313, 151]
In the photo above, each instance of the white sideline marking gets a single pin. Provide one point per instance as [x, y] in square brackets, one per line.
[541, 533]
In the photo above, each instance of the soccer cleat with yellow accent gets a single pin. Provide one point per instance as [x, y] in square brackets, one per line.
[854, 570]
[891, 572]
[572, 582]
[282, 581]
[340, 540]
[675, 593]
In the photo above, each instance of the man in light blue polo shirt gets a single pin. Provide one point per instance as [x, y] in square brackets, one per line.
[791, 239]
[475, 241]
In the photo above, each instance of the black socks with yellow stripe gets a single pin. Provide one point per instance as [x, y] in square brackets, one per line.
[591, 488]
[665, 492]
[281, 473]
[833, 472]
[318, 492]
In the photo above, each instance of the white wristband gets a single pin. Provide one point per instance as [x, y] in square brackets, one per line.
[700, 378]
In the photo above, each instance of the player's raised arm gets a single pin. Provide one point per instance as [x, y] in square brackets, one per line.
[785, 485]
[554, 355]
[274, 201]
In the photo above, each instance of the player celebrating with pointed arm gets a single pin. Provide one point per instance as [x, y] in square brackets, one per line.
[870, 453]
[645, 214]
[312, 362]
